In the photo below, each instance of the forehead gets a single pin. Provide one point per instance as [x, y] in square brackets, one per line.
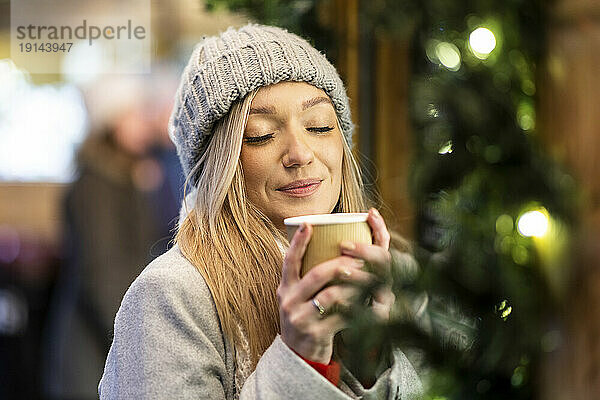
[299, 95]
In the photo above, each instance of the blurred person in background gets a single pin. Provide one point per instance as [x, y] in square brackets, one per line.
[119, 214]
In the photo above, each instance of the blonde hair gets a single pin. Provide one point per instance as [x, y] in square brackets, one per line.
[233, 244]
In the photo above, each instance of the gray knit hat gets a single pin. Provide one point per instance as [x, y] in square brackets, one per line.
[225, 68]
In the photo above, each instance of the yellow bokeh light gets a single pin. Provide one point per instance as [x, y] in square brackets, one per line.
[446, 148]
[482, 42]
[533, 223]
[448, 55]
[526, 116]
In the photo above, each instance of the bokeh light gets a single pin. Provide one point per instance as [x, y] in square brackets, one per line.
[48, 120]
[444, 54]
[446, 148]
[526, 116]
[482, 42]
[504, 224]
[448, 55]
[533, 223]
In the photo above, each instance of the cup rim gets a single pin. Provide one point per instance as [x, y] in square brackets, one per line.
[326, 219]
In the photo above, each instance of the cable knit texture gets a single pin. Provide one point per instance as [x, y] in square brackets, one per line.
[223, 69]
[243, 362]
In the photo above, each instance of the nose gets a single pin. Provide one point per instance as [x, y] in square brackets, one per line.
[298, 152]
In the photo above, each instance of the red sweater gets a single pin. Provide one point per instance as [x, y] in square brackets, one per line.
[330, 371]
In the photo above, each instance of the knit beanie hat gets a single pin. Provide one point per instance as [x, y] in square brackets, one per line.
[225, 68]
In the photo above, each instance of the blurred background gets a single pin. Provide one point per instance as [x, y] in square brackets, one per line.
[477, 123]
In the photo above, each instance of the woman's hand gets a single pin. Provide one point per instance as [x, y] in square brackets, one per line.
[378, 256]
[306, 326]
[303, 328]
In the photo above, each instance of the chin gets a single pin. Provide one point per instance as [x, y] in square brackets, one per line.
[307, 211]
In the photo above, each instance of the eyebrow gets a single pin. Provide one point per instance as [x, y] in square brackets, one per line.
[314, 101]
[306, 104]
[262, 110]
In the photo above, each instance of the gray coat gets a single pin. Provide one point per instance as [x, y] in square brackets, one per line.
[168, 344]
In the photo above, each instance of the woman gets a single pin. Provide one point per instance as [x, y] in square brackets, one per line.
[224, 313]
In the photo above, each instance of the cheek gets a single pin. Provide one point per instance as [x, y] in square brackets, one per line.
[333, 155]
[255, 167]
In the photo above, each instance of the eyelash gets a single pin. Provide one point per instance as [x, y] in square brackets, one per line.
[260, 139]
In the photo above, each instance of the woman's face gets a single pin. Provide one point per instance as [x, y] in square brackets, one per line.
[292, 135]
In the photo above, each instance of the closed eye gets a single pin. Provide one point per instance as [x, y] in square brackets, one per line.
[320, 129]
[258, 139]
[264, 138]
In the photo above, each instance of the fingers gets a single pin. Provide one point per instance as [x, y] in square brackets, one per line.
[330, 299]
[381, 236]
[383, 300]
[306, 317]
[374, 255]
[342, 268]
[292, 262]
[382, 311]
[384, 296]
[337, 295]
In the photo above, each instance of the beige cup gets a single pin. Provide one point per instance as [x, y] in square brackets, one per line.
[329, 230]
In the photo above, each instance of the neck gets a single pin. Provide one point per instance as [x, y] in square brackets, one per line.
[281, 227]
[282, 230]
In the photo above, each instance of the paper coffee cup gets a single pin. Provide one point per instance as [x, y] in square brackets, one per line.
[329, 230]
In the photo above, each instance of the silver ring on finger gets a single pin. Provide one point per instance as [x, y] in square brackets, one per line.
[319, 307]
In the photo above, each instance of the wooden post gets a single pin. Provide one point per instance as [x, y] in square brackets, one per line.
[346, 27]
[569, 124]
[393, 141]
[388, 115]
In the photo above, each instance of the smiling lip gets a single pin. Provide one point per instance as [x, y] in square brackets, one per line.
[301, 188]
